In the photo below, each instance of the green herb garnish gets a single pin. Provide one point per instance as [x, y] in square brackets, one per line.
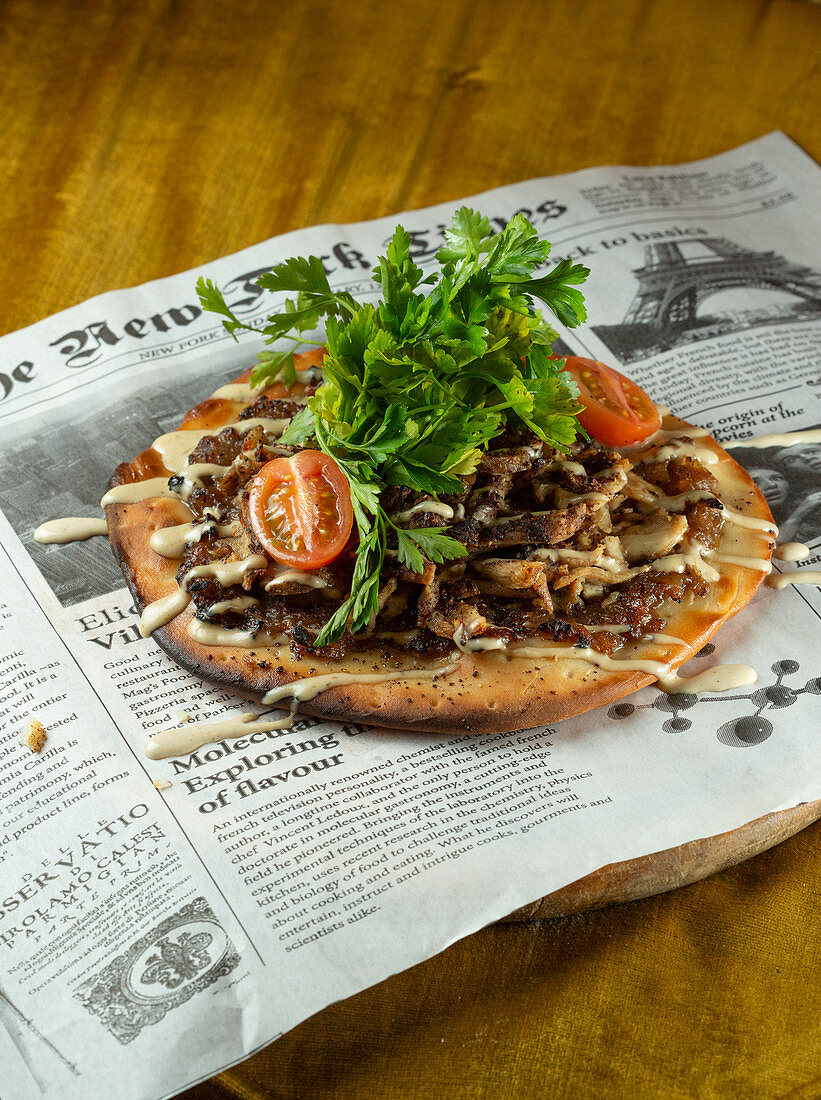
[417, 386]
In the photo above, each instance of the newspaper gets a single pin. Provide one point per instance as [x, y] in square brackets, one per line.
[161, 920]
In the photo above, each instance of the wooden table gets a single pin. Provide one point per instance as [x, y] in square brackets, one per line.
[140, 139]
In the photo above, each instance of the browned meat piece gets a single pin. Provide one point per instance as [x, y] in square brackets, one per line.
[273, 408]
[516, 579]
[679, 475]
[636, 602]
[246, 466]
[247, 543]
[205, 591]
[550, 529]
[210, 499]
[254, 439]
[425, 577]
[508, 463]
[705, 522]
[653, 537]
[443, 606]
[220, 449]
[636, 488]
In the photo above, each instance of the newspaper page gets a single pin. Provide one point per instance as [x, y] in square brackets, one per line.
[161, 920]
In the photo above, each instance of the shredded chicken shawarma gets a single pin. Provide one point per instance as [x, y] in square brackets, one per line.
[557, 545]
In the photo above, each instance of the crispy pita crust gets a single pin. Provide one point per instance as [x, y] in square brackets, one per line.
[485, 692]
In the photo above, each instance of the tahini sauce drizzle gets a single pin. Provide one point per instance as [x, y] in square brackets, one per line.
[238, 603]
[718, 678]
[791, 551]
[310, 686]
[242, 392]
[225, 573]
[294, 576]
[624, 628]
[175, 447]
[213, 634]
[136, 491]
[436, 507]
[170, 542]
[781, 580]
[776, 439]
[193, 735]
[192, 477]
[70, 529]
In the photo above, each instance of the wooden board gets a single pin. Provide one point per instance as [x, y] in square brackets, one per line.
[672, 868]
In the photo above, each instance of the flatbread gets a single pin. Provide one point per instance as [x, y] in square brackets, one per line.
[484, 691]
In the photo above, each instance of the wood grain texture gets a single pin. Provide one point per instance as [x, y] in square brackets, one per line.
[143, 139]
[673, 868]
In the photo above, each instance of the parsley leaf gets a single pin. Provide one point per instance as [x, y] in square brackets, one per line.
[417, 386]
[431, 541]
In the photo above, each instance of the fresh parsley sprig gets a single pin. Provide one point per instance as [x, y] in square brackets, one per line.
[417, 386]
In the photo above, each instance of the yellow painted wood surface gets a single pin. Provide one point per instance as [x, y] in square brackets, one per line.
[143, 137]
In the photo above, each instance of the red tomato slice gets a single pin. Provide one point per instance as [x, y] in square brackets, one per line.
[300, 509]
[616, 411]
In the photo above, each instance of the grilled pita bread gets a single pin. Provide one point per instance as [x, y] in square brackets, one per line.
[480, 691]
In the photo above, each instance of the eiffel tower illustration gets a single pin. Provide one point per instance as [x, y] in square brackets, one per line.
[672, 283]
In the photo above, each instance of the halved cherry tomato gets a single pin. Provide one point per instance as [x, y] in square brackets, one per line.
[616, 410]
[300, 509]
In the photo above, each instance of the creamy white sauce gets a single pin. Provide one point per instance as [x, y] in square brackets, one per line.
[719, 678]
[295, 576]
[241, 392]
[473, 645]
[679, 449]
[170, 542]
[781, 580]
[666, 436]
[678, 502]
[238, 603]
[791, 551]
[762, 565]
[312, 374]
[716, 679]
[193, 735]
[213, 634]
[192, 477]
[594, 557]
[777, 439]
[568, 464]
[138, 490]
[70, 529]
[624, 628]
[692, 555]
[162, 611]
[175, 447]
[311, 686]
[752, 523]
[436, 507]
